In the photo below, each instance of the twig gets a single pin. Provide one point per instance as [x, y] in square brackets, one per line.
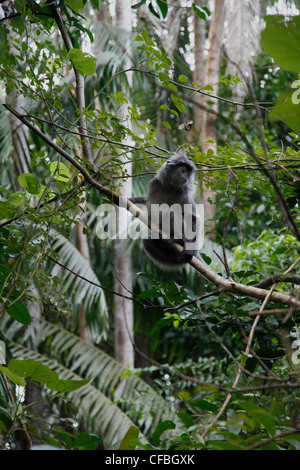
[92, 282]
[233, 204]
[79, 85]
[240, 370]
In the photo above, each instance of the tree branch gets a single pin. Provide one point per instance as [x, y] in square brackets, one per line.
[79, 85]
[208, 273]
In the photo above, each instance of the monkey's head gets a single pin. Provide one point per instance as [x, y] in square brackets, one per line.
[177, 172]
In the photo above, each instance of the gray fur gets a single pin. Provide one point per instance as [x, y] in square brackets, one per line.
[172, 185]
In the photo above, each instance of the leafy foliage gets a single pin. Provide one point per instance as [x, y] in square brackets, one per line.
[203, 339]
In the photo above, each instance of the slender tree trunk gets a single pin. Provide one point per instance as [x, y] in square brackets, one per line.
[123, 308]
[212, 73]
[199, 71]
[83, 247]
[173, 22]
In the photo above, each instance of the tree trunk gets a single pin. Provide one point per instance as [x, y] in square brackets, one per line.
[123, 308]
[83, 247]
[209, 132]
[199, 71]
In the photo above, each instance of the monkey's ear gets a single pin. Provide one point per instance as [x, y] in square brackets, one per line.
[181, 152]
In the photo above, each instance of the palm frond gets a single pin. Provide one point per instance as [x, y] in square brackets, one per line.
[79, 289]
[111, 378]
[95, 411]
[5, 135]
[116, 398]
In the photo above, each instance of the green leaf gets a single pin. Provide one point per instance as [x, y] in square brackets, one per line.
[33, 370]
[174, 98]
[76, 5]
[39, 372]
[163, 6]
[172, 87]
[16, 199]
[202, 12]
[286, 110]
[65, 386]
[132, 433]
[30, 183]
[61, 172]
[18, 22]
[167, 124]
[163, 426]
[149, 294]
[285, 49]
[6, 211]
[19, 312]
[84, 62]
[180, 107]
[137, 5]
[260, 416]
[182, 78]
[16, 379]
[86, 441]
[205, 405]
[172, 111]
[153, 11]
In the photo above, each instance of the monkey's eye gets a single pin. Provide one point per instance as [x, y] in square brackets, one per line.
[184, 171]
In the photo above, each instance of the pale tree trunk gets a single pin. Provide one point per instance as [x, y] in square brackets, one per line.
[83, 248]
[212, 73]
[173, 21]
[123, 308]
[199, 71]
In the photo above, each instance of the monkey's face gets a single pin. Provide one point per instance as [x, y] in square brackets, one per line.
[177, 173]
[180, 176]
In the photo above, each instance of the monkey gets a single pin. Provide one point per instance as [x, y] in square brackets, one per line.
[173, 185]
[171, 188]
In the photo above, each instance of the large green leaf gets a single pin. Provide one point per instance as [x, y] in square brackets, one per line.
[261, 416]
[15, 378]
[281, 40]
[39, 372]
[76, 5]
[84, 62]
[19, 312]
[29, 182]
[286, 110]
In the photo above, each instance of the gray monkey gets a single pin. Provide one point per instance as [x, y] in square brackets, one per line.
[173, 185]
[172, 188]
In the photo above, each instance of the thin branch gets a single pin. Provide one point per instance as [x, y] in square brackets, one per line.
[94, 283]
[233, 204]
[207, 272]
[240, 370]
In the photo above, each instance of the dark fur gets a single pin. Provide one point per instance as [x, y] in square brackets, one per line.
[172, 185]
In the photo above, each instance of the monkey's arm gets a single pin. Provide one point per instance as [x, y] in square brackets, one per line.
[138, 200]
